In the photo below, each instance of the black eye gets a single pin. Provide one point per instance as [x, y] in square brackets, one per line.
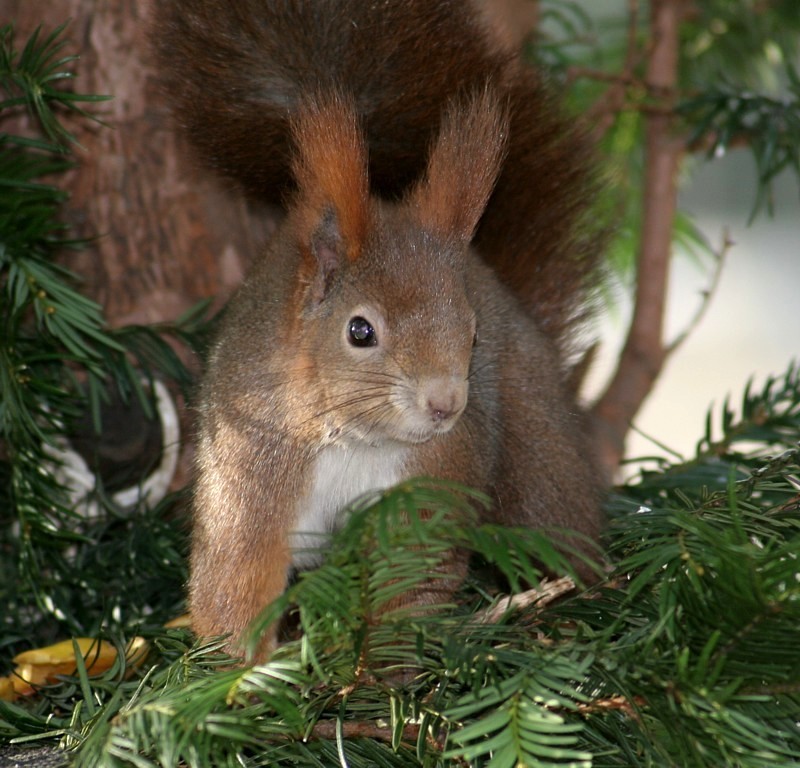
[360, 333]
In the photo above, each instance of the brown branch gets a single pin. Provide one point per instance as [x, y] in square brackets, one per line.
[618, 703]
[614, 78]
[545, 593]
[629, 80]
[705, 301]
[359, 729]
[605, 111]
[709, 141]
[644, 353]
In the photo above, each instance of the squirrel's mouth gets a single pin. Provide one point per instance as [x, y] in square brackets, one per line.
[399, 432]
[425, 430]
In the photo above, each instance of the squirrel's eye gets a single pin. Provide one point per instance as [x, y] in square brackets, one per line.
[360, 333]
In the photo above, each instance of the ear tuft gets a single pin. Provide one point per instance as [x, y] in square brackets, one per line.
[330, 168]
[463, 166]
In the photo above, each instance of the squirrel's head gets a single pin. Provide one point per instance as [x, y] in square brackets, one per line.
[385, 318]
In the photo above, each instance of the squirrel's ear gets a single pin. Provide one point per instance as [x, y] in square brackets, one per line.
[463, 166]
[323, 251]
[330, 168]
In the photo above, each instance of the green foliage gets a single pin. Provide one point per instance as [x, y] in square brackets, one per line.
[565, 30]
[35, 79]
[724, 117]
[747, 42]
[686, 653]
[740, 85]
[61, 573]
[39, 303]
[686, 656]
[738, 89]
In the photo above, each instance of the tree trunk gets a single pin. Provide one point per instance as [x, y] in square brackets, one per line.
[163, 236]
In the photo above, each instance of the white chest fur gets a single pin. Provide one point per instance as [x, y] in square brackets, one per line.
[339, 475]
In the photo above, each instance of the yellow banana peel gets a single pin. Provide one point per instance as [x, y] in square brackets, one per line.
[40, 666]
[7, 692]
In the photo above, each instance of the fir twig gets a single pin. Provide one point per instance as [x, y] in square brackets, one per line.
[58, 358]
[36, 78]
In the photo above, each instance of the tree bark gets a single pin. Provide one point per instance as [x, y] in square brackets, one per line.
[162, 236]
[644, 352]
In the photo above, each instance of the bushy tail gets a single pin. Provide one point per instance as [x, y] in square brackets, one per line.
[236, 72]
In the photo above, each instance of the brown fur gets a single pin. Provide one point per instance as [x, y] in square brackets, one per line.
[448, 175]
[332, 176]
[236, 71]
[292, 412]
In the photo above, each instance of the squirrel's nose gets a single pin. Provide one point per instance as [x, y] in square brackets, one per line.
[440, 411]
[444, 398]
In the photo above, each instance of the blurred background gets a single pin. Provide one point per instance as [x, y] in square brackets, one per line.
[752, 325]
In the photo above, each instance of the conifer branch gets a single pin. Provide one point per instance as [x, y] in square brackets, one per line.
[686, 655]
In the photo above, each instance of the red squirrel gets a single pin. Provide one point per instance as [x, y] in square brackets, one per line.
[414, 313]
